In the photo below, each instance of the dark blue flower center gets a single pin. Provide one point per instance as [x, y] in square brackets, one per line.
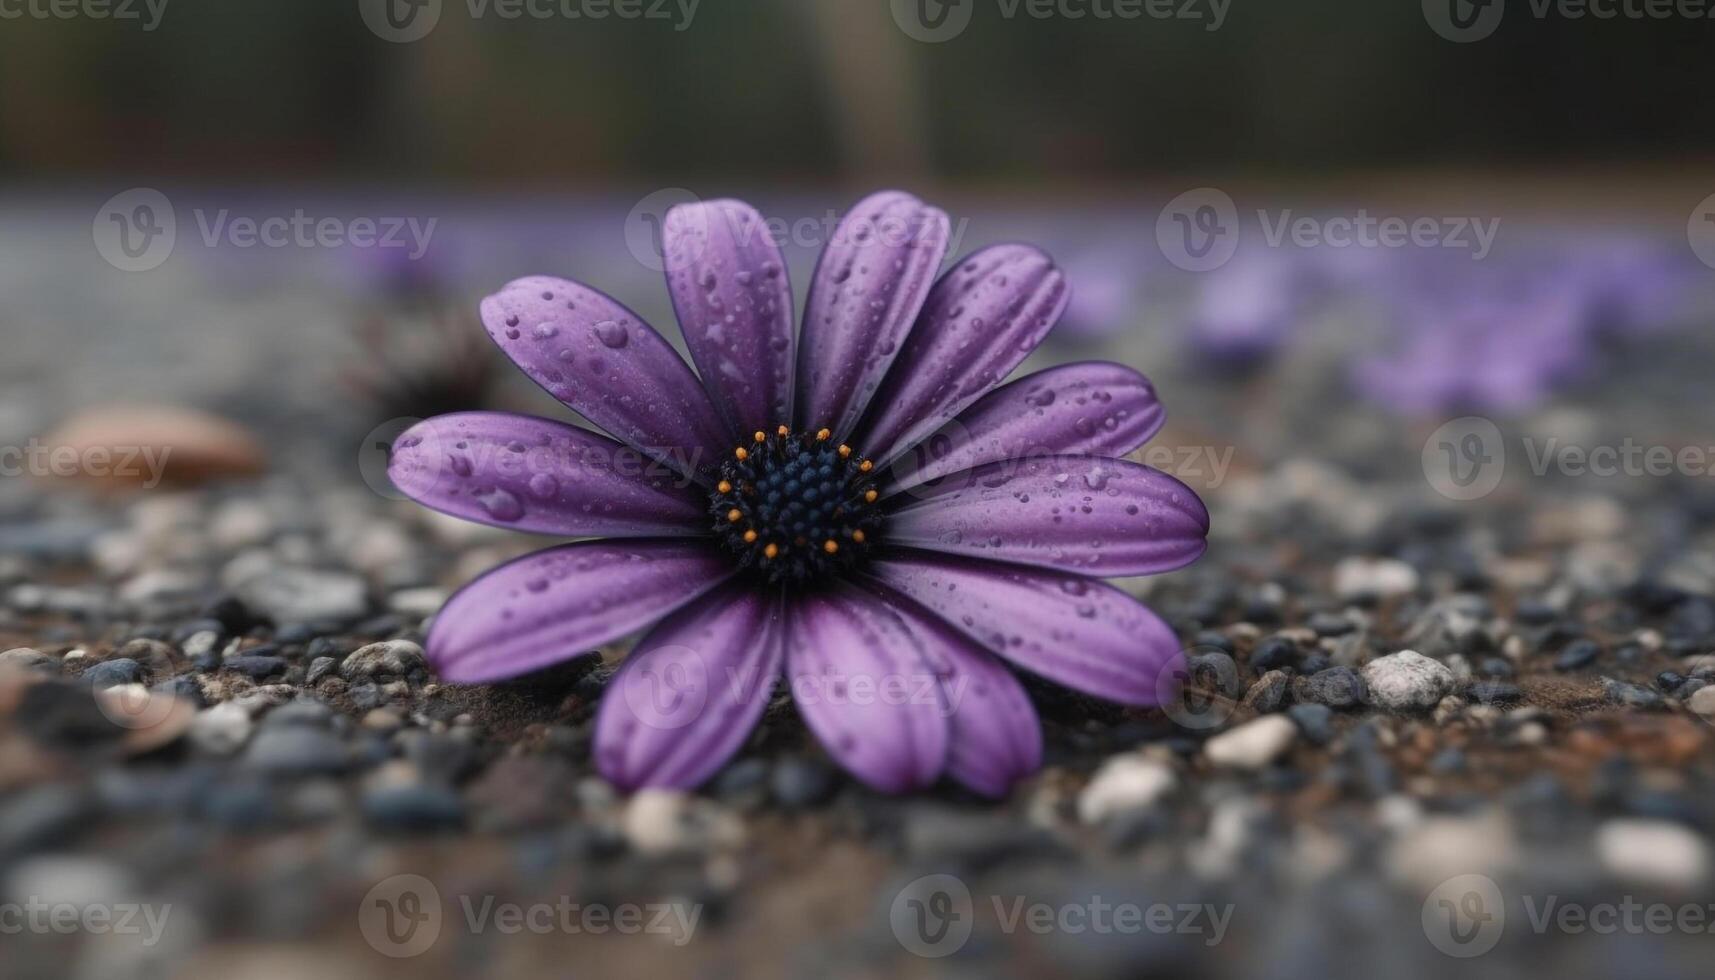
[796, 508]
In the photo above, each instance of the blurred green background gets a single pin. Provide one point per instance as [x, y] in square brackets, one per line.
[808, 91]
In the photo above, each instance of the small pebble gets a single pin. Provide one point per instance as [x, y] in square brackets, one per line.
[1652, 852]
[222, 729]
[1269, 693]
[1407, 681]
[1703, 702]
[1577, 655]
[1373, 578]
[1252, 745]
[256, 668]
[1123, 783]
[26, 659]
[1494, 692]
[1336, 687]
[393, 657]
[1316, 721]
[798, 782]
[1631, 695]
[111, 673]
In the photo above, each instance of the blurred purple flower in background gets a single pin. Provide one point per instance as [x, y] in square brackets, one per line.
[1507, 334]
[860, 508]
[1244, 312]
[1107, 293]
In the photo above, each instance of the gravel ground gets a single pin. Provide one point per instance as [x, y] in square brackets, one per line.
[216, 725]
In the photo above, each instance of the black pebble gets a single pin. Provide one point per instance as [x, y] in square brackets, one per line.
[1577, 655]
[1336, 687]
[1274, 653]
[111, 673]
[799, 782]
[1495, 692]
[414, 808]
[1316, 721]
[257, 667]
[187, 630]
[1632, 695]
[1330, 624]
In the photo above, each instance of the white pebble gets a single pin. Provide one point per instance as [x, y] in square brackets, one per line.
[1408, 681]
[1703, 702]
[1126, 782]
[1652, 852]
[1254, 744]
[1357, 578]
[221, 729]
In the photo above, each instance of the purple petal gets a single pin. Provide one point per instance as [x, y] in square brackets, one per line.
[859, 679]
[532, 474]
[995, 736]
[609, 366]
[691, 691]
[734, 302]
[555, 604]
[1102, 517]
[1079, 632]
[1092, 408]
[865, 294]
[982, 319]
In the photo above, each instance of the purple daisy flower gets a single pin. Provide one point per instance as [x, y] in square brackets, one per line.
[863, 509]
